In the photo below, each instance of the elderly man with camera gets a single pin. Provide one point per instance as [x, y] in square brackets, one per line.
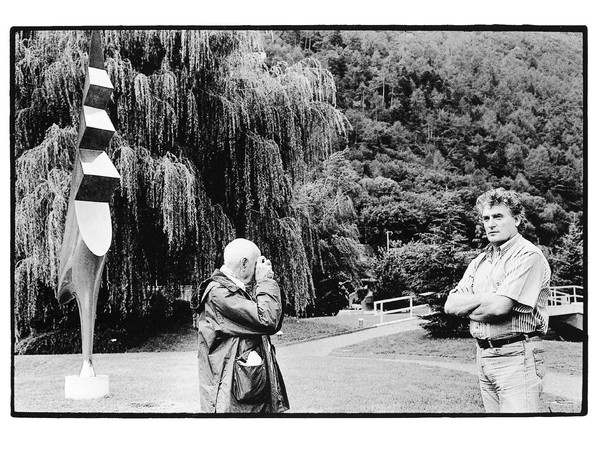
[237, 367]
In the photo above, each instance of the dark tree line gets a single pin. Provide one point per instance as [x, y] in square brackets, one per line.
[439, 117]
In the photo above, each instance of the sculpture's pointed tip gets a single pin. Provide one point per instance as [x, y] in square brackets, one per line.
[96, 50]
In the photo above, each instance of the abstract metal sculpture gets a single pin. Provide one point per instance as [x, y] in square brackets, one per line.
[88, 228]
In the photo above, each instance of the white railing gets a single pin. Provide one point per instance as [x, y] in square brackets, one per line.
[378, 308]
[565, 295]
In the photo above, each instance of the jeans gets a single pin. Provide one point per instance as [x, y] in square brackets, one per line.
[511, 376]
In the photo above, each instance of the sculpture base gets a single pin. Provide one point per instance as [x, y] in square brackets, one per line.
[86, 388]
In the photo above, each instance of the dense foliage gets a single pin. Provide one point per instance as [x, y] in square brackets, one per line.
[438, 118]
[210, 145]
[329, 200]
[223, 134]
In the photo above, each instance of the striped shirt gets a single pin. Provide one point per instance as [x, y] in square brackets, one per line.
[517, 270]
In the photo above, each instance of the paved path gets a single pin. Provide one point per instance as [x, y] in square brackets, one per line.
[322, 347]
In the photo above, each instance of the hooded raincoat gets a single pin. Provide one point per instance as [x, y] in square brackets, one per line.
[232, 323]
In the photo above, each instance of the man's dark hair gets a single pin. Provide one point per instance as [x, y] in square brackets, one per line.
[501, 196]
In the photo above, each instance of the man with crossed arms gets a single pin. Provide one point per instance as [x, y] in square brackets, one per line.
[504, 292]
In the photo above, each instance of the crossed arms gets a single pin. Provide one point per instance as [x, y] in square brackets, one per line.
[487, 307]
[522, 281]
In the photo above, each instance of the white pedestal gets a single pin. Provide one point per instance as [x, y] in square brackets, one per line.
[86, 388]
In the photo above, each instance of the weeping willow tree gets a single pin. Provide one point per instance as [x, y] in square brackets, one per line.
[211, 144]
[342, 260]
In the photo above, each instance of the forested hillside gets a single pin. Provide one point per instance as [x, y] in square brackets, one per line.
[438, 117]
[323, 146]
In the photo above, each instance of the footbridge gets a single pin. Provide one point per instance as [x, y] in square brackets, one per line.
[565, 308]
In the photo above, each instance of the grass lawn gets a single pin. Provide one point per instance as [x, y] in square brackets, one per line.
[184, 337]
[455, 390]
[562, 357]
[363, 386]
[139, 383]
[402, 373]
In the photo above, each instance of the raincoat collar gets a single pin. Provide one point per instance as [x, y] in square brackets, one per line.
[229, 274]
[225, 281]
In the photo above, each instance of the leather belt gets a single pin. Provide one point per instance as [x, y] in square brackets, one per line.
[495, 343]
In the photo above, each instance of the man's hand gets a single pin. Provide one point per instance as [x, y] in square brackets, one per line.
[492, 309]
[263, 269]
[460, 304]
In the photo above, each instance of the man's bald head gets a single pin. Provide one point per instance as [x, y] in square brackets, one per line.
[240, 257]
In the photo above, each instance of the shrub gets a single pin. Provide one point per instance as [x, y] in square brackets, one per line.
[69, 342]
[436, 265]
[420, 267]
[441, 325]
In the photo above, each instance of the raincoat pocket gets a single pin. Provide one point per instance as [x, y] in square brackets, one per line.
[249, 377]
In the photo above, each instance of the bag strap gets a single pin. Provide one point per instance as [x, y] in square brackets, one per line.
[211, 285]
[197, 304]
